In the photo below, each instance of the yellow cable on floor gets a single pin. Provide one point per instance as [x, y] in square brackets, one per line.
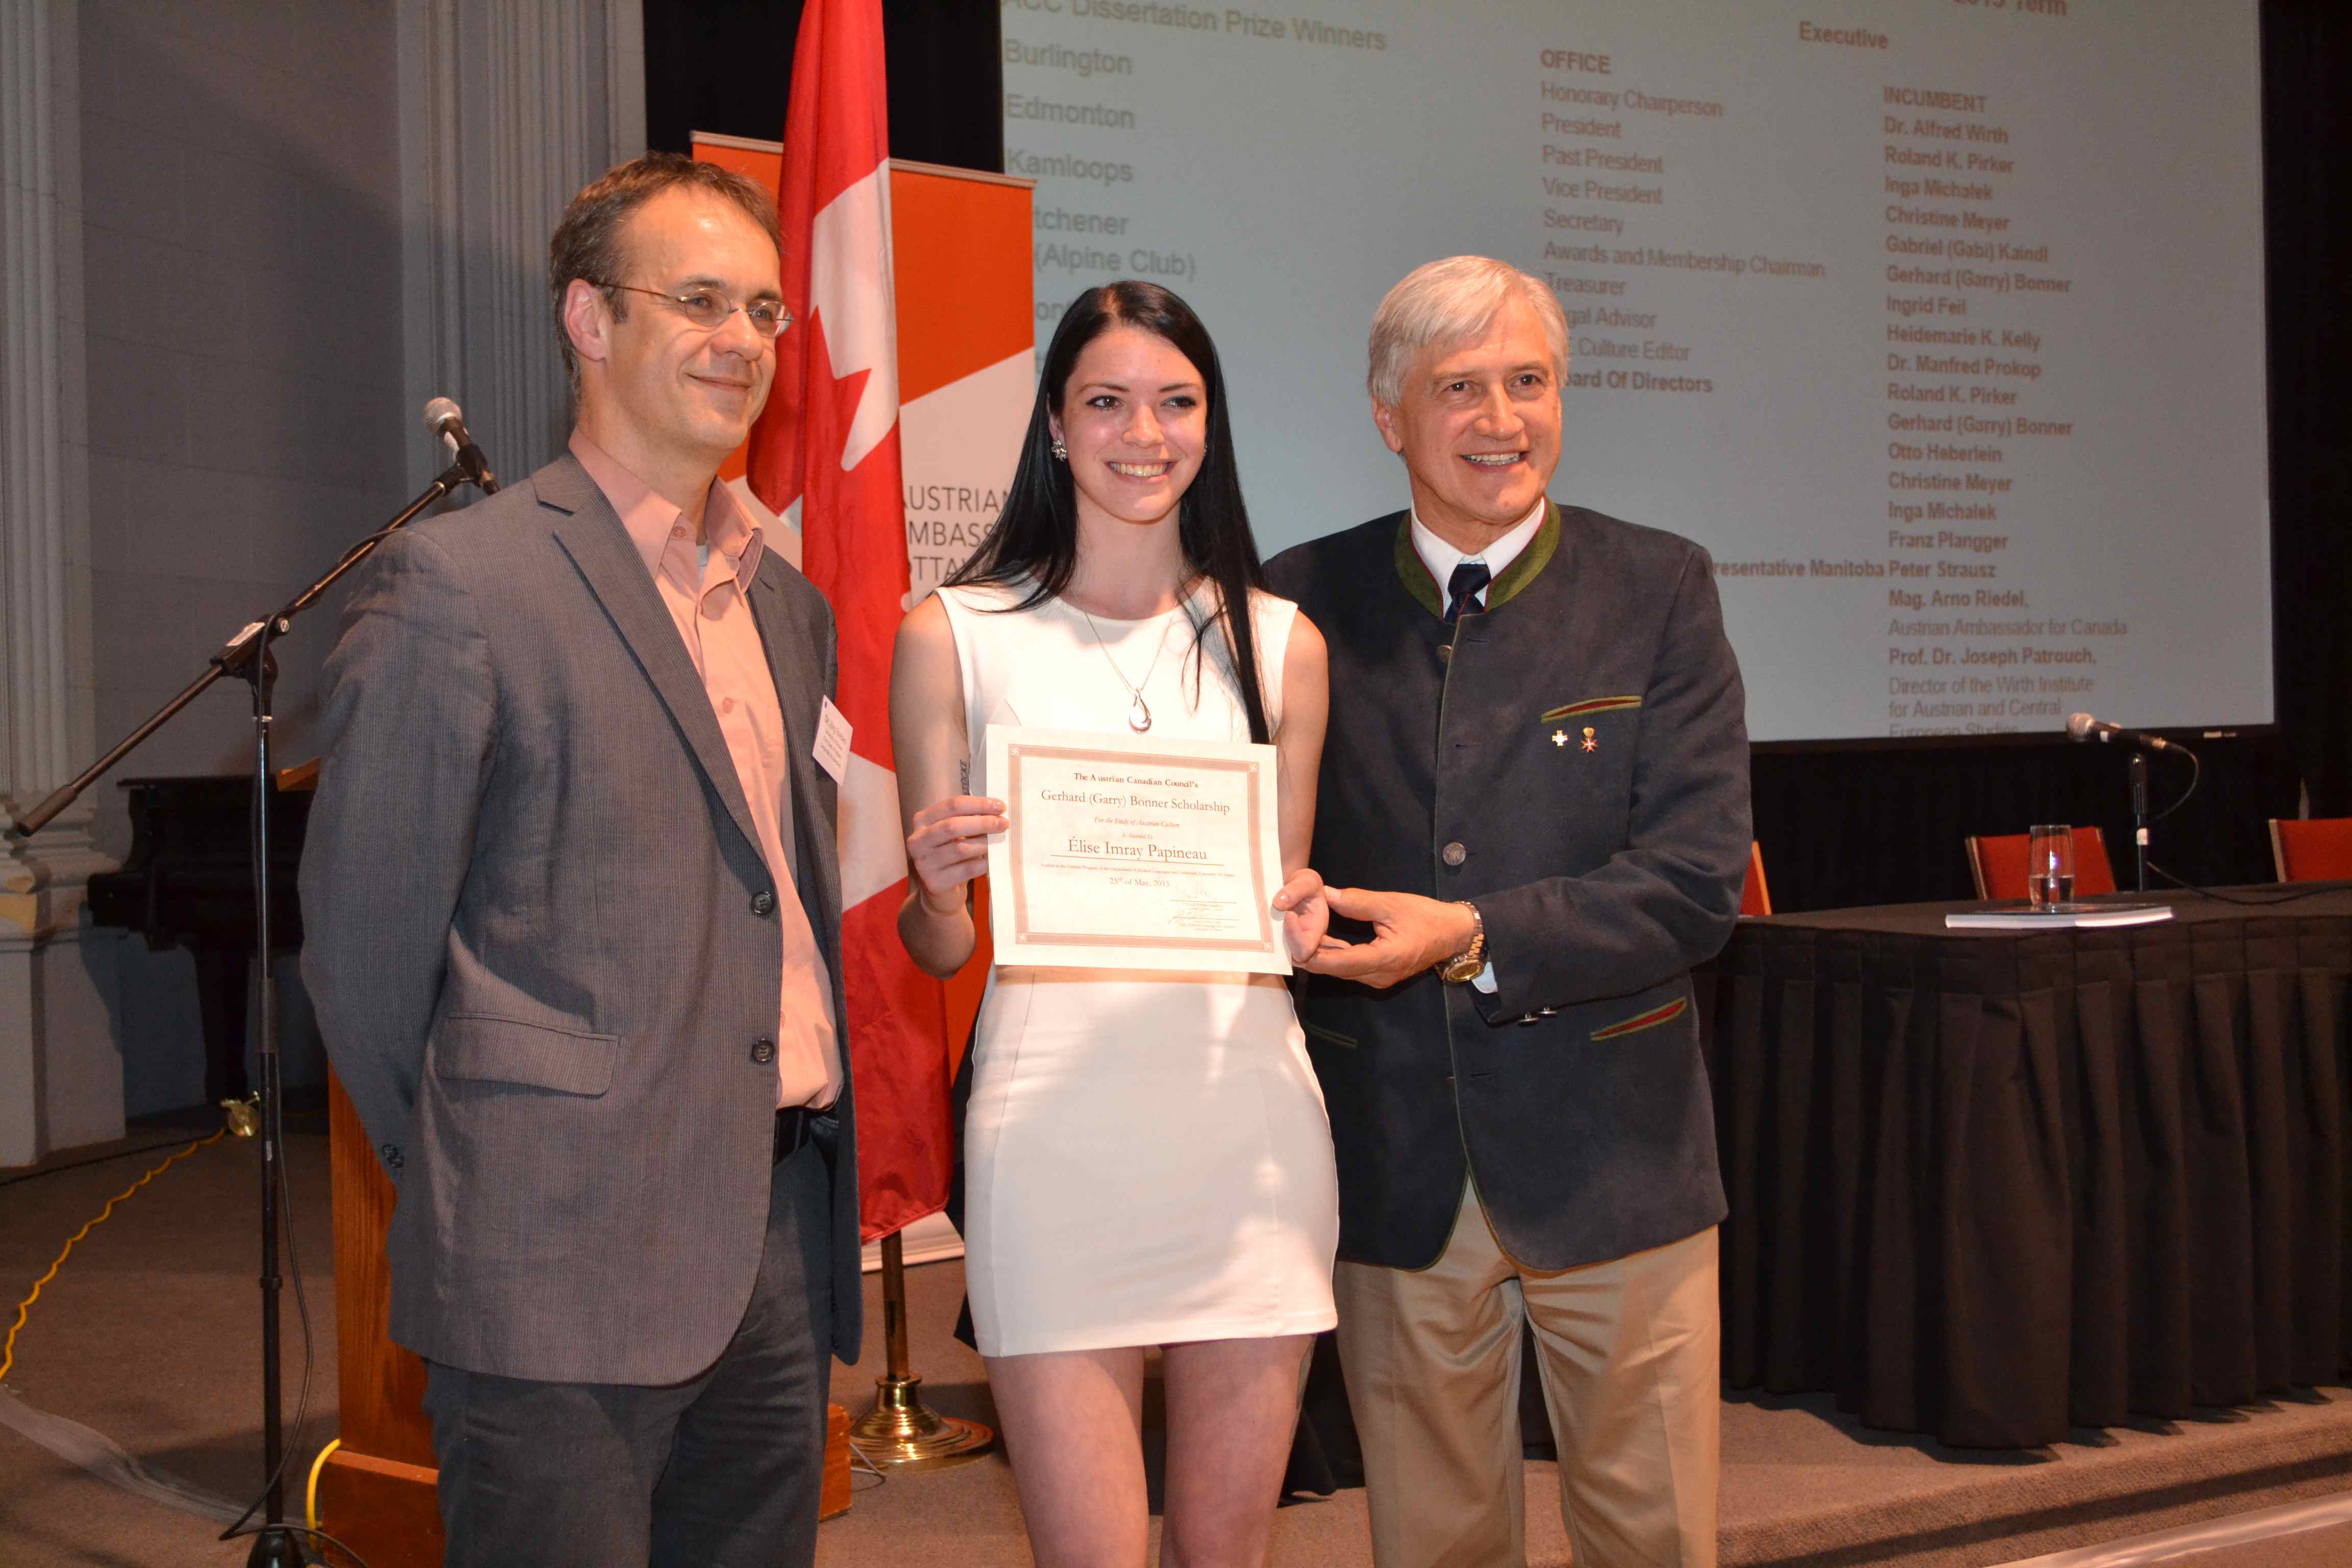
[310, 1505]
[24, 1307]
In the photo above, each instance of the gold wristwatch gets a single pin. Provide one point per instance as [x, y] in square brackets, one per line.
[1464, 966]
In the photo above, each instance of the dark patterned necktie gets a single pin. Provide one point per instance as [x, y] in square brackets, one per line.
[1469, 580]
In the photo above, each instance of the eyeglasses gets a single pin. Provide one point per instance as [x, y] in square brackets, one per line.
[707, 311]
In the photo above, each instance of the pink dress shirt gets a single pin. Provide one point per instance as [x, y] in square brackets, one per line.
[705, 598]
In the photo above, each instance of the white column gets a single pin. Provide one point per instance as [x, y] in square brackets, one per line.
[507, 107]
[60, 1073]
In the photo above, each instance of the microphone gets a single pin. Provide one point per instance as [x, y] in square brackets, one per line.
[2083, 727]
[446, 420]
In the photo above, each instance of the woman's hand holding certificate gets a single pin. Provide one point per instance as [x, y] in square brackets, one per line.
[948, 847]
[1140, 853]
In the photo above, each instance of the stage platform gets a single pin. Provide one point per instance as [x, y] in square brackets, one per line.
[149, 1335]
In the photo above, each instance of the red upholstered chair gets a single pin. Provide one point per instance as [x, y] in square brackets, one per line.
[1998, 863]
[2313, 850]
[1755, 897]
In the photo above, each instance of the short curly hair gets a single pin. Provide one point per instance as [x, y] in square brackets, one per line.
[588, 244]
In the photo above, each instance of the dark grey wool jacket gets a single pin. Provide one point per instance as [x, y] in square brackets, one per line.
[1574, 762]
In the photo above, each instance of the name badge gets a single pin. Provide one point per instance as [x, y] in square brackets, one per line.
[832, 749]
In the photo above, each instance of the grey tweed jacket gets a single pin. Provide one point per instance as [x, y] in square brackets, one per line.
[541, 942]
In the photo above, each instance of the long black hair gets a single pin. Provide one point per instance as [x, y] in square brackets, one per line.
[1036, 537]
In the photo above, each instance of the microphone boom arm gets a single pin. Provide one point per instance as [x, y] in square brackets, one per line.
[236, 655]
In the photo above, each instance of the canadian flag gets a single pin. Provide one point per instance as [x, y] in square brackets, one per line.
[826, 455]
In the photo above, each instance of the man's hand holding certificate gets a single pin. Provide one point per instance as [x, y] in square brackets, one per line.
[1139, 853]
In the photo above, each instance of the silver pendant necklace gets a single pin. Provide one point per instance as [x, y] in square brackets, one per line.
[1138, 711]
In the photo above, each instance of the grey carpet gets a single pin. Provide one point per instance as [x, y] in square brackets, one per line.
[99, 1456]
[2309, 1529]
[150, 1336]
[1802, 1486]
[2319, 1549]
[2312, 1549]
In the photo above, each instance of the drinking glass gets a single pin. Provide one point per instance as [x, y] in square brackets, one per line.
[2050, 866]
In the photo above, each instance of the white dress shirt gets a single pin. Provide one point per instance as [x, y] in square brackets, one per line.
[1442, 558]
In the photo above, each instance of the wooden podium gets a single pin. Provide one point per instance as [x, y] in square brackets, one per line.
[376, 1491]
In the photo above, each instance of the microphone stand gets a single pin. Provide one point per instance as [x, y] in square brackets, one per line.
[2139, 820]
[246, 657]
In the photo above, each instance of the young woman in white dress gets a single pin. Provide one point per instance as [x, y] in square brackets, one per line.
[1147, 1158]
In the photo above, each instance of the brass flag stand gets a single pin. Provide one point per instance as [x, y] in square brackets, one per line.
[900, 1433]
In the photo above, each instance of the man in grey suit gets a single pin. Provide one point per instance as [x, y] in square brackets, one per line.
[1534, 799]
[573, 913]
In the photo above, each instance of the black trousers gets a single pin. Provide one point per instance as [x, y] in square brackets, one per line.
[721, 1471]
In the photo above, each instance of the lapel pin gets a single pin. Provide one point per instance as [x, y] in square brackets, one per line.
[1591, 744]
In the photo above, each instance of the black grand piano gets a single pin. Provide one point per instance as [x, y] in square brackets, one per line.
[188, 882]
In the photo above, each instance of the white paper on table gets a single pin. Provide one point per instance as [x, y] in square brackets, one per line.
[2071, 918]
[1131, 852]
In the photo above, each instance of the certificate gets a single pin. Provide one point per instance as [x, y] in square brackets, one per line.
[1134, 852]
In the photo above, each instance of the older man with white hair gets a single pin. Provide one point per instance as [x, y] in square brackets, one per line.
[1534, 811]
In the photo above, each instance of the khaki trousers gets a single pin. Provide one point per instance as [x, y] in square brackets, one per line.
[1630, 1352]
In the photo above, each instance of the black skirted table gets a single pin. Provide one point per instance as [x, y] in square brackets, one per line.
[1988, 1186]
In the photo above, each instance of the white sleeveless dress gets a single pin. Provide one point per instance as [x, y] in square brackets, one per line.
[1147, 1159]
